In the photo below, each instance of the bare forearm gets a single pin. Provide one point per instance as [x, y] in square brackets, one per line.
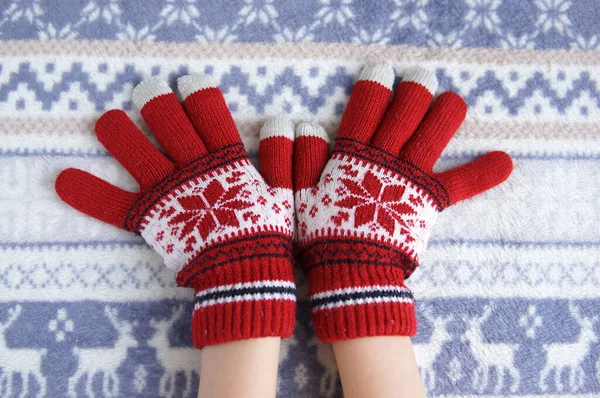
[375, 367]
[241, 369]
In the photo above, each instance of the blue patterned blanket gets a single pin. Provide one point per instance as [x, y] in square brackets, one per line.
[508, 296]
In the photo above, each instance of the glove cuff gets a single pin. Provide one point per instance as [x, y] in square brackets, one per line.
[244, 289]
[354, 296]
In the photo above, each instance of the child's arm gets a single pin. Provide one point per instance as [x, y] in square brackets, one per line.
[241, 369]
[382, 366]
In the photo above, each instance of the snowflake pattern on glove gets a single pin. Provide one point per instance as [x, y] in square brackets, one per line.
[357, 198]
[375, 204]
[210, 207]
[213, 208]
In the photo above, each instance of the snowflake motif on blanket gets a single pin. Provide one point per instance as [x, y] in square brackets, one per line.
[214, 208]
[367, 200]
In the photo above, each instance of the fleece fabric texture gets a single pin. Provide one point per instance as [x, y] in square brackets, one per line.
[507, 296]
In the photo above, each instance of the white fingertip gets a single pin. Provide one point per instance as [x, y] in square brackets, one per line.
[278, 126]
[381, 73]
[149, 89]
[311, 130]
[190, 84]
[423, 77]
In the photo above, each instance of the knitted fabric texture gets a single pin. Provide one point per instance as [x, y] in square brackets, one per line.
[365, 215]
[222, 226]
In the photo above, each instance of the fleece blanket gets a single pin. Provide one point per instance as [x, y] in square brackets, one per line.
[508, 297]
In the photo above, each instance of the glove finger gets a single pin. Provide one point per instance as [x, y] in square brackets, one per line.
[477, 176]
[311, 154]
[411, 100]
[121, 137]
[438, 127]
[94, 196]
[275, 152]
[369, 99]
[167, 120]
[206, 108]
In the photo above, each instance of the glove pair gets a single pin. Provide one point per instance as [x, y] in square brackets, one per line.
[360, 217]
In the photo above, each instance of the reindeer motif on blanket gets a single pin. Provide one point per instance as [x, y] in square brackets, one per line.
[490, 355]
[26, 361]
[173, 359]
[106, 360]
[426, 353]
[570, 356]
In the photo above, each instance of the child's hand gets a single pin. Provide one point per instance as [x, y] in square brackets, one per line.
[365, 215]
[215, 220]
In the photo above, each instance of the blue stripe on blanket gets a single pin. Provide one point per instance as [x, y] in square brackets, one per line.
[490, 82]
[539, 24]
[474, 346]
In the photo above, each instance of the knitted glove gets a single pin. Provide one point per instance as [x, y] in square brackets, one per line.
[224, 228]
[364, 216]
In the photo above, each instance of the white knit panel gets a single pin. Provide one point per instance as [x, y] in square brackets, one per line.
[357, 198]
[216, 207]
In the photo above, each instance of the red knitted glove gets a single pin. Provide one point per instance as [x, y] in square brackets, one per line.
[365, 215]
[206, 210]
